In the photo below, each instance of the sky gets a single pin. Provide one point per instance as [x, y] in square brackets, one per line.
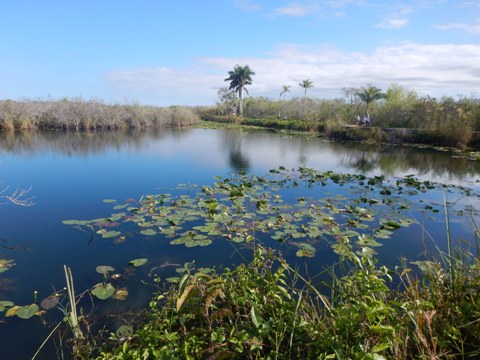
[164, 52]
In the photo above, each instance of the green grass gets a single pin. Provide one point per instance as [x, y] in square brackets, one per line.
[266, 310]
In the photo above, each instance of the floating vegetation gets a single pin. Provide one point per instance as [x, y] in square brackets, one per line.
[5, 265]
[5, 305]
[302, 212]
[242, 209]
[138, 262]
[103, 290]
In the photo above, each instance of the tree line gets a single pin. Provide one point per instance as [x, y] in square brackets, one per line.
[455, 120]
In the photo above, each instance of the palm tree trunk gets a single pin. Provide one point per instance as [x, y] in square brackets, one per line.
[240, 102]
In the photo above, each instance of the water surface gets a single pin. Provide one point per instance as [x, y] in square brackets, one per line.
[70, 174]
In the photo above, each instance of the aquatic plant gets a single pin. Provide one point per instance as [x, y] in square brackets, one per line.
[269, 307]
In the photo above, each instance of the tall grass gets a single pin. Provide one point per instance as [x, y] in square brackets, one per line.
[78, 114]
[265, 310]
[445, 121]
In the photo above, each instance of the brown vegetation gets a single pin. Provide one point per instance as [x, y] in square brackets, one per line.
[78, 114]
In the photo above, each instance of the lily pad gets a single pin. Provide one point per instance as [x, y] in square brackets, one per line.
[26, 312]
[5, 304]
[305, 250]
[75, 222]
[50, 302]
[103, 291]
[138, 262]
[148, 232]
[12, 311]
[110, 234]
[124, 331]
[104, 269]
[121, 294]
[391, 225]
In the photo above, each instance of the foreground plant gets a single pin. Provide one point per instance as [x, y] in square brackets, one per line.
[267, 310]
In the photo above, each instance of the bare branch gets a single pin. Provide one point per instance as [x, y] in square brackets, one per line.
[18, 196]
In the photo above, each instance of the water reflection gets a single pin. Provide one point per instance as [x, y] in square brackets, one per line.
[246, 151]
[390, 160]
[82, 143]
[237, 159]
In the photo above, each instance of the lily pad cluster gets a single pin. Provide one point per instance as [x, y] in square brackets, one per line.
[109, 287]
[298, 208]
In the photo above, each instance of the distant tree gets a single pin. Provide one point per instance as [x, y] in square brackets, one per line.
[285, 89]
[351, 94]
[227, 100]
[306, 84]
[239, 77]
[370, 94]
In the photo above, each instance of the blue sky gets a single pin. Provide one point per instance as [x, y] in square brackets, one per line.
[179, 52]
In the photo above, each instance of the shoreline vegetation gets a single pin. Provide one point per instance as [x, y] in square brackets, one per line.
[399, 117]
[267, 308]
[81, 115]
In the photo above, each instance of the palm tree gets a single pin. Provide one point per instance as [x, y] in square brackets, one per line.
[285, 89]
[306, 84]
[370, 94]
[239, 77]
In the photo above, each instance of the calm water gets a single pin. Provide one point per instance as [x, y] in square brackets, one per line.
[70, 174]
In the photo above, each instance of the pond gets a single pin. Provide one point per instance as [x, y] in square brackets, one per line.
[85, 176]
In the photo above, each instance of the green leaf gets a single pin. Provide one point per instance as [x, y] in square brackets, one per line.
[5, 304]
[110, 234]
[257, 320]
[305, 250]
[380, 347]
[138, 262]
[148, 232]
[305, 253]
[391, 225]
[104, 269]
[76, 222]
[103, 291]
[124, 331]
[119, 207]
[26, 312]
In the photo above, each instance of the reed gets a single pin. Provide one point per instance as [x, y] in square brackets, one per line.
[78, 114]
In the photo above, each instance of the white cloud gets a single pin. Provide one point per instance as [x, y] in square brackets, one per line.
[471, 28]
[166, 86]
[297, 10]
[393, 23]
[248, 5]
[435, 70]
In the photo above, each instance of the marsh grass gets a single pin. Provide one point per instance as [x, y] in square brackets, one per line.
[79, 114]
